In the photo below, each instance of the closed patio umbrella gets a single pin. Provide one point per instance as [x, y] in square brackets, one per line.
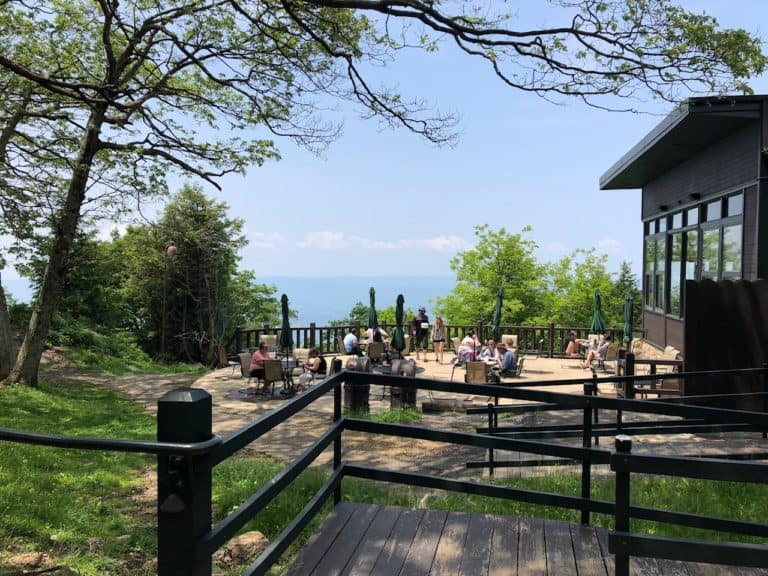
[496, 320]
[629, 303]
[398, 338]
[286, 339]
[373, 321]
[598, 324]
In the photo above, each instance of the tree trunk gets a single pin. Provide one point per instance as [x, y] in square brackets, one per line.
[6, 337]
[28, 359]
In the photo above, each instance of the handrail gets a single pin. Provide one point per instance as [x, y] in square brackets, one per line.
[110, 444]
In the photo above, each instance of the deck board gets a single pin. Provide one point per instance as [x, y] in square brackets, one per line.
[369, 540]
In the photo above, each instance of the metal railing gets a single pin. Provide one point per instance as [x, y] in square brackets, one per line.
[187, 452]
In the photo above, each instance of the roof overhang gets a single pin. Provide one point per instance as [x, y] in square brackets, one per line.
[698, 123]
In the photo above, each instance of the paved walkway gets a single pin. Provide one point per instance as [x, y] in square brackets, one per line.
[232, 411]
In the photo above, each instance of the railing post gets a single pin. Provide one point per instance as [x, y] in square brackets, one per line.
[551, 340]
[312, 339]
[239, 339]
[629, 385]
[623, 446]
[586, 442]
[337, 441]
[491, 430]
[594, 409]
[765, 394]
[183, 484]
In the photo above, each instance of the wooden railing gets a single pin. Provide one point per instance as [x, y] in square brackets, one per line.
[548, 340]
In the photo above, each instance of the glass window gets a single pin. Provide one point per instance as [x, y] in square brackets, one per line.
[692, 216]
[691, 255]
[735, 205]
[659, 294]
[732, 250]
[650, 259]
[714, 210]
[677, 221]
[675, 275]
[662, 225]
[710, 253]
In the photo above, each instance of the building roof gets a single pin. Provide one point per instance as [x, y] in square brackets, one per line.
[695, 125]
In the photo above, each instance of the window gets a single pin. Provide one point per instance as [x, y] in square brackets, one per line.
[649, 267]
[732, 251]
[710, 253]
[714, 210]
[659, 294]
[704, 241]
[735, 205]
[676, 276]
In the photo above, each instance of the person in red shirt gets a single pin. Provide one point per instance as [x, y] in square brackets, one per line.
[257, 361]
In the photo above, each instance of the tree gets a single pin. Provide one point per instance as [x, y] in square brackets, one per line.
[100, 100]
[571, 284]
[498, 260]
[185, 301]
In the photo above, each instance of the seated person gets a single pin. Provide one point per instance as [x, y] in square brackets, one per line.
[378, 336]
[468, 347]
[490, 355]
[595, 353]
[314, 366]
[573, 347]
[257, 361]
[508, 360]
[351, 344]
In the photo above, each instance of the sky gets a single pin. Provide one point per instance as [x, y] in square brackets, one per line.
[382, 202]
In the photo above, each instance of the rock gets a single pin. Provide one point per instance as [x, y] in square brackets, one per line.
[241, 549]
[27, 560]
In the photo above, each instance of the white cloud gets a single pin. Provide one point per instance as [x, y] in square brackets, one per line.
[610, 245]
[265, 239]
[447, 243]
[326, 240]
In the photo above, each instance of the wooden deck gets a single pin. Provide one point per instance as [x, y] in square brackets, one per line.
[358, 539]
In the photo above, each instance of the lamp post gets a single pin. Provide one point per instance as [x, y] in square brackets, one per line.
[170, 250]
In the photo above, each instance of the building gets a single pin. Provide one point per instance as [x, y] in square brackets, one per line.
[703, 173]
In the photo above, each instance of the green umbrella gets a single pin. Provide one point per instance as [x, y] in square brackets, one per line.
[398, 338]
[598, 324]
[286, 340]
[629, 303]
[496, 320]
[373, 321]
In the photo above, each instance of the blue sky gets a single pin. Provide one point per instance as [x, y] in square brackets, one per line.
[381, 202]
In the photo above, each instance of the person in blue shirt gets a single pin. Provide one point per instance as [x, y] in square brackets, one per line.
[508, 360]
[351, 344]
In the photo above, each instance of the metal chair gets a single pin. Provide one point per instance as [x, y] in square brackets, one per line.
[273, 372]
[375, 351]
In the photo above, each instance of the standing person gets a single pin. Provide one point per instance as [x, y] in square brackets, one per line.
[420, 332]
[438, 338]
[351, 343]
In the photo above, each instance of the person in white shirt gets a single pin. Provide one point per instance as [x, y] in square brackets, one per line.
[490, 354]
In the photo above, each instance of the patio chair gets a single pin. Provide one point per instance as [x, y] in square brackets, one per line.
[273, 372]
[340, 345]
[375, 351]
[270, 340]
[477, 372]
[245, 365]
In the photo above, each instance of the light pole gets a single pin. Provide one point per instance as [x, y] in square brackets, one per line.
[170, 250]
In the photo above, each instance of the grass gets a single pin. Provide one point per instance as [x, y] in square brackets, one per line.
[77, 506]
[393, 416]
[97, 363]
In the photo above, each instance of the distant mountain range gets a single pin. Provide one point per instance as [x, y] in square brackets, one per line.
[322, 299]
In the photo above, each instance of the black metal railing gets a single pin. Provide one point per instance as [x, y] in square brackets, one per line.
[187, 452]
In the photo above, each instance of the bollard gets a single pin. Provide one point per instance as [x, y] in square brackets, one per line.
[183, 484]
